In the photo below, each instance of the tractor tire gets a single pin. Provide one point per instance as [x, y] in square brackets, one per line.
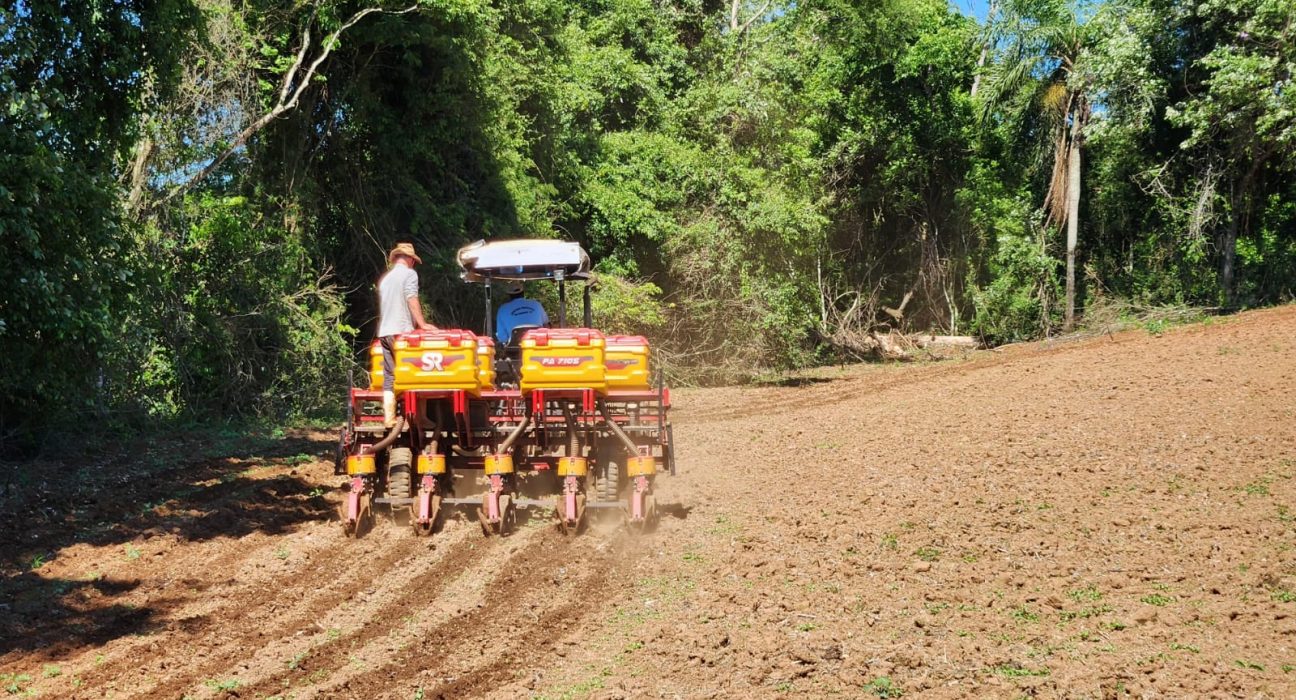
[398, 472]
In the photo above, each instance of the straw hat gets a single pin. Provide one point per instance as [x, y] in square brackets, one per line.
[404, 249]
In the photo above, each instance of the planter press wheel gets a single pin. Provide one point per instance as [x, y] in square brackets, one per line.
[607, 485]
[398, 472]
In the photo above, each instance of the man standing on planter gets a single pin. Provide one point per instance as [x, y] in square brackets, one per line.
[398, 312]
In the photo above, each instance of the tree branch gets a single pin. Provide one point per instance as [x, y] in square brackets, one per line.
[759, 13]
[288, 97]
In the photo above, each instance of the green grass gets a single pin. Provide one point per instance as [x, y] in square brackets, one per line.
[889, 541]
[1157, 599]
[1283, 595]
[1184, 647]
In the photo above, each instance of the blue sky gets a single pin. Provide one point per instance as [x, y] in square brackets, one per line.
[976, 8]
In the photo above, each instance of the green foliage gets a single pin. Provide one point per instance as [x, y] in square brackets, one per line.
[247, 322]
[753, 189]
[1017, 303]
[73, 78]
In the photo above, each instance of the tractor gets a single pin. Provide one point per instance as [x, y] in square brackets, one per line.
[558, 416]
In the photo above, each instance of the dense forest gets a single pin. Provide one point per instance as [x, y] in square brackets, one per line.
[196, 196]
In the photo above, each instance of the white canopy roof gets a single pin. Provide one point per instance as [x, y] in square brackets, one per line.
[525, 259]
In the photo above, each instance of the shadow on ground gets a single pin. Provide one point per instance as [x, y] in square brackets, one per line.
[193, 492]
[54, 613]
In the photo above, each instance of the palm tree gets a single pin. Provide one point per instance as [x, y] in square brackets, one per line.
[1034, 82]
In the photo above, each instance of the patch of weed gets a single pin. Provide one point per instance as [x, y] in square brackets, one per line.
[1023, 614]
[1259, 487]
[1094, 611]
[1283, 595]
[132, 552]
[1012, 671]
[1083, 595]
[13, 683]
[1157, 599]
[889, 541]
[1176, 646]
[883, 687]
[227, 685]
[927, 553]
[1249, 665]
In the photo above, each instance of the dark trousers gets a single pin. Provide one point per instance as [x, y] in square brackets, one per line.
[388, 343]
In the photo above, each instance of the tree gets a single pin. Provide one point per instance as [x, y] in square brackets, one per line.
[1037, 83]
[1243, 120]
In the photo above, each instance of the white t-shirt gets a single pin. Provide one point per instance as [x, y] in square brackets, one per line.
[399, 284]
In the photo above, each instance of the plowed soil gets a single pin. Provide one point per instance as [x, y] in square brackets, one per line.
[1107, 517]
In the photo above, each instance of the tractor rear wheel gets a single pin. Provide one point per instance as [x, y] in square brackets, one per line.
[398, 472]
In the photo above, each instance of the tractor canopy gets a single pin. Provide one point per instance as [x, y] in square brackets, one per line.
[523, 260]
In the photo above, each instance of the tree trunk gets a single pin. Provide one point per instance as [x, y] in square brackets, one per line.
[1073, 217]
[1228, 251]
[985, 50]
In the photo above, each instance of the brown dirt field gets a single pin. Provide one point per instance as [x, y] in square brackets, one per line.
[1102, 518]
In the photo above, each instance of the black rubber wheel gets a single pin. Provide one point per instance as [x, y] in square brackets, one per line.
[398, 472]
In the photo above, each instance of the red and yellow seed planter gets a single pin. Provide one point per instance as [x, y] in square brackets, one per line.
[375, 366]
[437, 359]
[563, 358]
[626, 360]
[486, 362]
